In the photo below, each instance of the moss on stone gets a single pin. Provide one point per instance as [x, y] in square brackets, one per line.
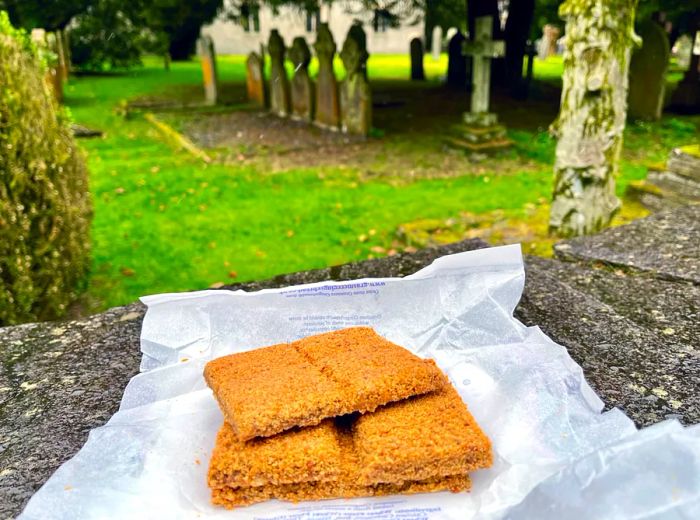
[45, 209]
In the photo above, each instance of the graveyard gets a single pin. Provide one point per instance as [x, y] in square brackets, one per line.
[139, 171]
[411, 261]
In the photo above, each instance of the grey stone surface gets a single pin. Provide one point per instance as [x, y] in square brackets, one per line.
[57, 381]
[666, 244]
[636, 337]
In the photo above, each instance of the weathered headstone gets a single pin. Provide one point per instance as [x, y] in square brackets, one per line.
[480, 131]
[302, 88]
[548, 42]
[255, 79]
[327, 106]
[530, 52]
[279, 83]
[683, 49]
[456, 62]
[436, 44]
[207, 56]
[355, 92]
[54, 72]
[648, 73]
[417, 72]
[686, 97]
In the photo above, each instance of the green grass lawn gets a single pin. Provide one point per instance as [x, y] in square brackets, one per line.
[165, 221]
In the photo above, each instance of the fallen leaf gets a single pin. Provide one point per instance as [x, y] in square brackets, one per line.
[127, 272]
[232, 274]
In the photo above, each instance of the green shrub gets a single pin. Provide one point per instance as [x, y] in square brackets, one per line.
[45, 208]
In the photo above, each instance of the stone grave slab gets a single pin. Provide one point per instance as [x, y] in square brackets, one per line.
[636, 344]
[676, 185]
[666, 244]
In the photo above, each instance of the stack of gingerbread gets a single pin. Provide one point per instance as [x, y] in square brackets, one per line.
[341, 414]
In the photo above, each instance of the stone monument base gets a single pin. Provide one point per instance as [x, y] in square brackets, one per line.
[676, 184]
[479, 134]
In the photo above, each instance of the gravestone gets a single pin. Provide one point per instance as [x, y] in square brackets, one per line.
[480, 132]
[683, 49]
[279, 84]
[355, 92]
[530, 52]
[548, 42]
[417, 72]
[255, 79]
[327, 105]
[686, 97]
[205, 49]
[436, 45]
[54, 72]
[647, 82]
[302, 88]
[456, 62]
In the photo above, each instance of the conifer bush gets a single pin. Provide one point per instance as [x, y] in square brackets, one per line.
[45, 207]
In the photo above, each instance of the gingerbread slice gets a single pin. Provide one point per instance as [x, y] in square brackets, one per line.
[265, 391]
[433, 435]
[426, 443]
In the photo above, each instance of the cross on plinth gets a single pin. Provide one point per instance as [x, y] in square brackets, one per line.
[482, 49]
[480, 132]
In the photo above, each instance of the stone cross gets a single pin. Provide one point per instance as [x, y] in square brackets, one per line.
[302, 90]
[279, 83]
[327, 105]
[355, 92]
[482, 49]
[436, 46]
[205, 49]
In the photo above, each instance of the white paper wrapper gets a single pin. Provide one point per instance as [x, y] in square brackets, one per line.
[555, 452]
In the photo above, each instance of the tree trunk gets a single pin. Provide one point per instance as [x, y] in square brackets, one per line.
[479, 8]
[520, 14]
[429, 24]
[599, 39]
